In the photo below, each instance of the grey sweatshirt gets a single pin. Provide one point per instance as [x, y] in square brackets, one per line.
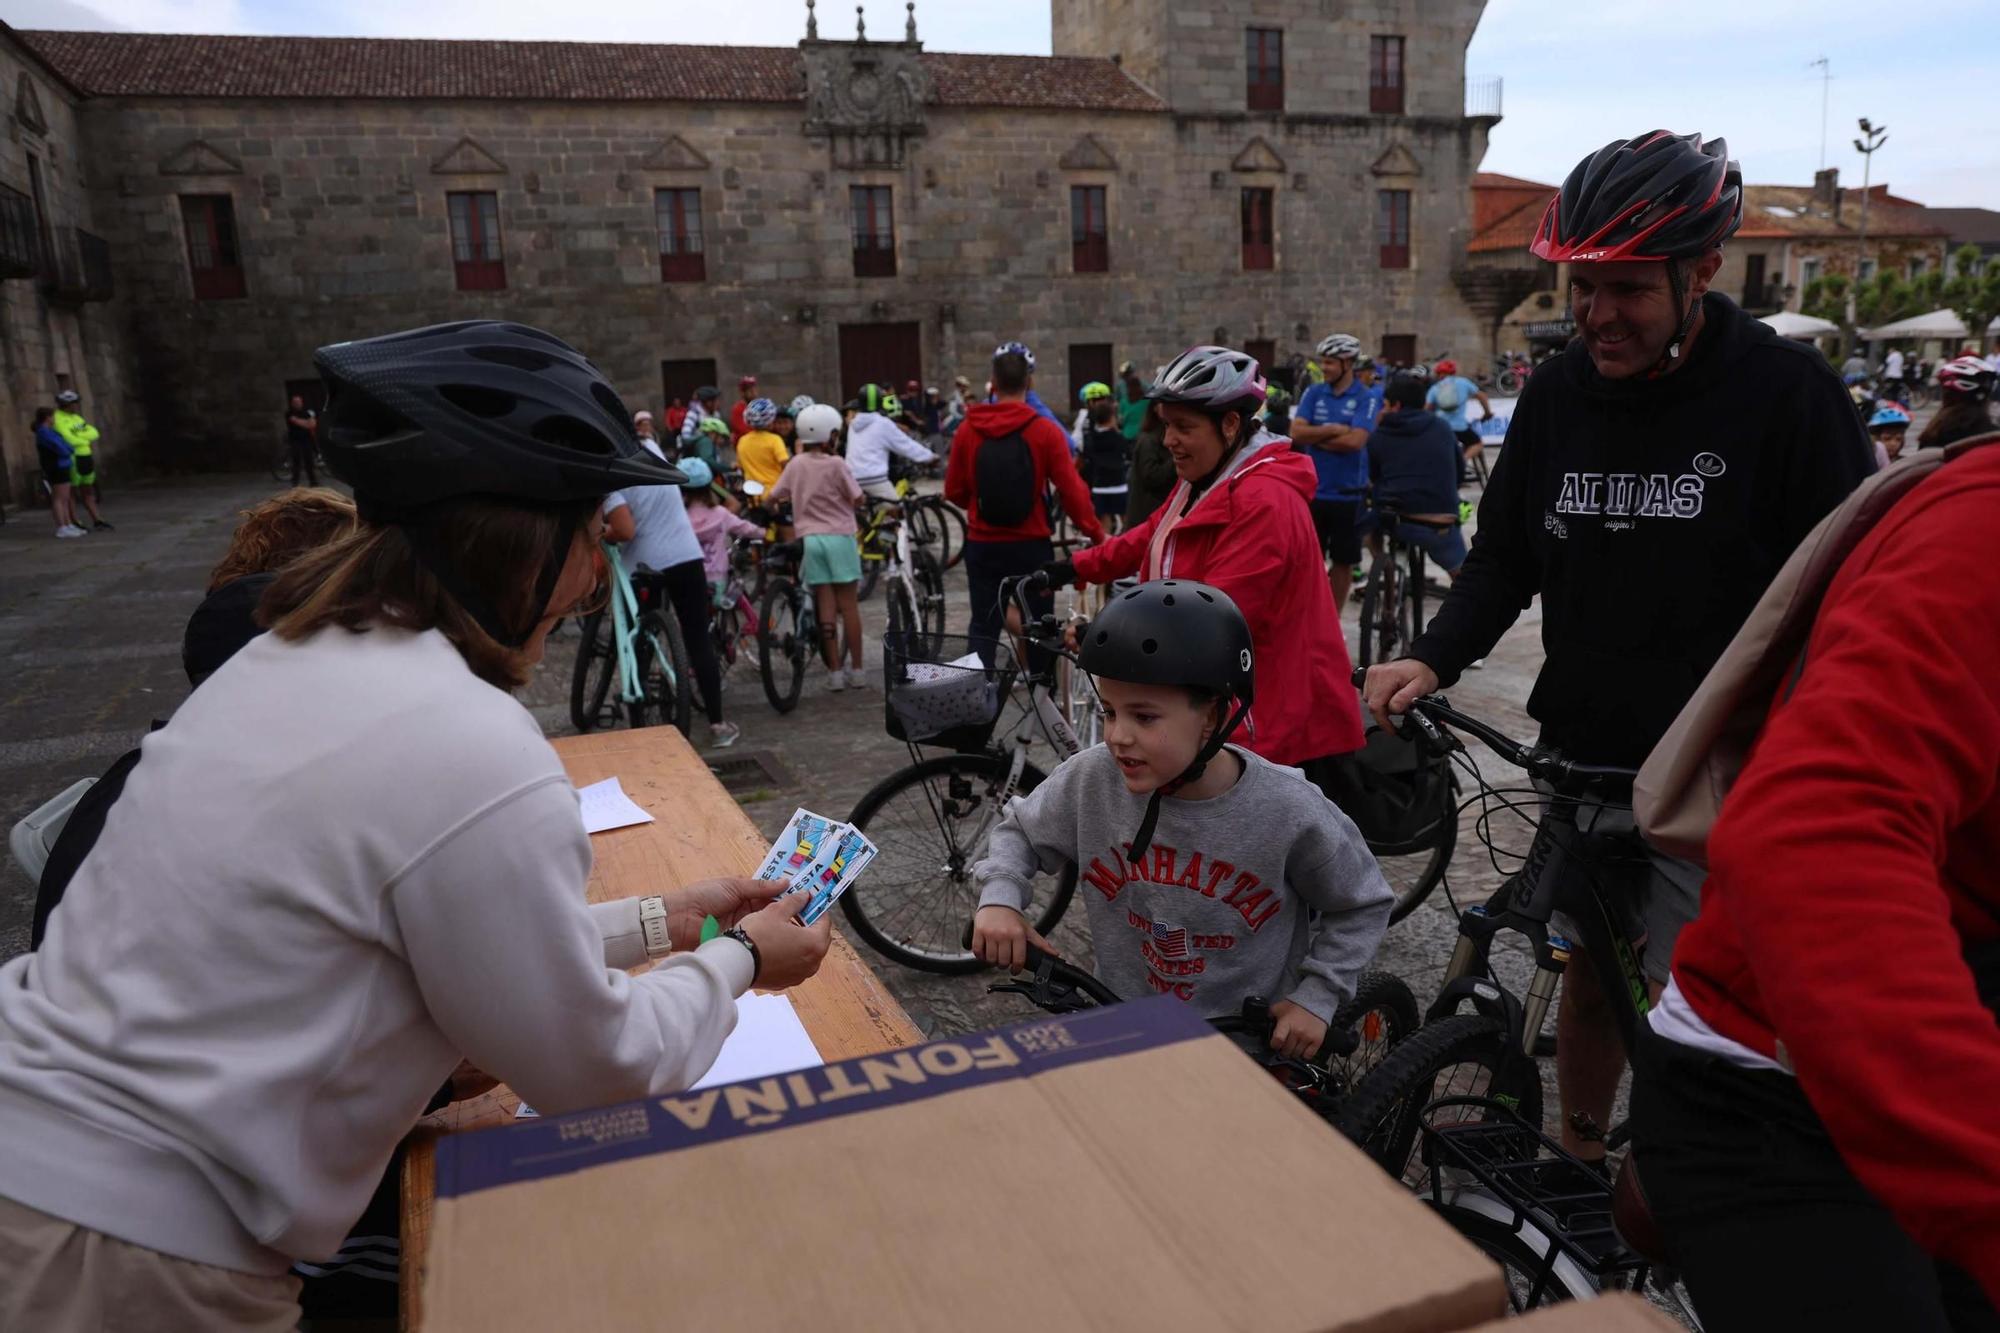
[1222, 909]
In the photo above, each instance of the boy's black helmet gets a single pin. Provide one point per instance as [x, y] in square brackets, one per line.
[477, 407]
[1172, 632]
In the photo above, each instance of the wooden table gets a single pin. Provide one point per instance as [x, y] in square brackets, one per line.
[698, 832]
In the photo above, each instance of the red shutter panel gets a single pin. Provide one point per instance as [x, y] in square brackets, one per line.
[1385, 75]
[1089, 234]
[1392, 228]
[682, 255]
[1264, 69]
[1258, 251]
[874, 231]
[214, 265]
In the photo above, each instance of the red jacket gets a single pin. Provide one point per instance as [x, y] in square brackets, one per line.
[1053, 467]
[1252, 536]
[1859, 854]
[738, 427]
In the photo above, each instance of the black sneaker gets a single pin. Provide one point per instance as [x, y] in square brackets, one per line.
[101, 526]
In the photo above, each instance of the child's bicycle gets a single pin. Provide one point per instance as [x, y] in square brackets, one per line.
[1382, 1013]
[932, 818]
[733, 616]
[635, 642]
[787, 626]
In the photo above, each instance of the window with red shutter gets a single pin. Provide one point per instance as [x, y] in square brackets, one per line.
[874, 231]
[1089, 236]
[214, 263]
[1385, 75]
[1392, 228]
[679, 215]
[1258, 251]
[1264, 69]
[475, 240]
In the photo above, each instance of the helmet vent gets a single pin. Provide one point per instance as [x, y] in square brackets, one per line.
[1168, 600]
[520, 358]
[478, 400]
[1149, 646]
[569, 433]
[1204, 596]
[609, 401]
[1130, 595]
[1102, 638]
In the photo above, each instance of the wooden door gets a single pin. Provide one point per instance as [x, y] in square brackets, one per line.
[890, 354]
[1399, 349]
[1087, 362]
[679, 379]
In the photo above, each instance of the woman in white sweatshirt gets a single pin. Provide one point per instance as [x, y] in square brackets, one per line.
[349, 862]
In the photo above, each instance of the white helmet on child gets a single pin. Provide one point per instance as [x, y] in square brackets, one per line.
[817, 424]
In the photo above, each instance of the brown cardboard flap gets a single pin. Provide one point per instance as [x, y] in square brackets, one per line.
[1167, 1183]
[1616, 1313]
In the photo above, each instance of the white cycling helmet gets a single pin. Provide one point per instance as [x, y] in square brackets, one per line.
[1214, 379]
[1338, 345]
[817, 424]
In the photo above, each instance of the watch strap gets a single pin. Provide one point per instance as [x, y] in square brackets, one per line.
[742, 937]
[653, 925]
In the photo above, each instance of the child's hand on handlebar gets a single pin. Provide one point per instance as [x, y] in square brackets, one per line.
[1296, 1032]
[1001, 936]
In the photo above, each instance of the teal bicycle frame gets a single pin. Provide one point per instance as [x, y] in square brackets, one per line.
[625, 635]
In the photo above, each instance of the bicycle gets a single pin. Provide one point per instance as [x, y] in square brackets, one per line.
[787, 627]
[1381, 1014]
[915, 593]
[637, 642]
[733, 621]
[931, 819]
[1456, 1110]
[1392, 599]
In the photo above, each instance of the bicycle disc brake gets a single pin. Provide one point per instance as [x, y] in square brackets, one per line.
[1042, 988]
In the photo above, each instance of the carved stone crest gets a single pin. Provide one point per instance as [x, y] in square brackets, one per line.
[865, 99]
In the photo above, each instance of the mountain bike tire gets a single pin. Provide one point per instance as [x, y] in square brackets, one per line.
[1384, 1113]
[1375, 596]
[928, 576]
[666, 675]
[1384, 1012]
[914, 903]
[782, 649]
[1413, 874]
[902, 611]
[871, 573]
[952, 521]
[590, 679]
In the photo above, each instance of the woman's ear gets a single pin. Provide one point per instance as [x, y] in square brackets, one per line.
[1228, 424]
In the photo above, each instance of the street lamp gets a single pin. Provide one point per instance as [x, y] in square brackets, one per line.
[1872, 138]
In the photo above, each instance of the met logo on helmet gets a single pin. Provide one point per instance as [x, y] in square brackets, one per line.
[1584, 256]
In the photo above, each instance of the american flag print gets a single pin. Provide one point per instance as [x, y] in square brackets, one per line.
[1171, 941]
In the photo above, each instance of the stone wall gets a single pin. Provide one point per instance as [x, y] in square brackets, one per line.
[46, 346]
[341, 212]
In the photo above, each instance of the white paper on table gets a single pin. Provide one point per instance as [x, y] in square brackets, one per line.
[606, 806]
[769, 1039]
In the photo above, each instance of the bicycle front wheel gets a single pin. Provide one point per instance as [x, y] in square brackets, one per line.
[932, 821]
[782, 630]
[1462, 1055]
[666, 676]
[951, 519]
[590, 680]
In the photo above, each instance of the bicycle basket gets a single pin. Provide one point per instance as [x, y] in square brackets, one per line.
[1396, 790]
[936, 691]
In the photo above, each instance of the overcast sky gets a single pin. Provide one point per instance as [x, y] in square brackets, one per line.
[1738, 68]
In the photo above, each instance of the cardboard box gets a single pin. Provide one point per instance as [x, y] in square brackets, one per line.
[1124, 1168]
[1616, 1313]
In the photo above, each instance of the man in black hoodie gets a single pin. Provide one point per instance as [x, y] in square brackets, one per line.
[1413, 465]
[1655, 477]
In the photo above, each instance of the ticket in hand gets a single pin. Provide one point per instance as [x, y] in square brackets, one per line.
[819, 856]
[792, 854]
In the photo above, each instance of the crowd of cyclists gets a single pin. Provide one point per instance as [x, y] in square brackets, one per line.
[1810, 1097]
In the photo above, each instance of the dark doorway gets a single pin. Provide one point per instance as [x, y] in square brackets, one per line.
[1087, 362]
[1266, 352]
[890, 354]
[679, 379]
[1399, 349]
[1753, 281]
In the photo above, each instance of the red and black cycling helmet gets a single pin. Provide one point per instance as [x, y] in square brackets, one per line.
[1659, 196]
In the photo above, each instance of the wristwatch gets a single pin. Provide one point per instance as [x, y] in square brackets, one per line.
[742, 937]
[653, 925]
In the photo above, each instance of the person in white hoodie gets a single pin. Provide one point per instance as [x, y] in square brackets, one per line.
[349, 862]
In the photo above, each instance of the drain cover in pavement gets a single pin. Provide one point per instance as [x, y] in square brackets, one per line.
[750, 770]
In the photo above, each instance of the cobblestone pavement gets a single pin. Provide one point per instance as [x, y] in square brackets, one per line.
[90, 634]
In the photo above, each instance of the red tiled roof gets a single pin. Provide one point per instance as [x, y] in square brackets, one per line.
[122, 64]
[1493, 180]
[1510, 231]
[1798, 215]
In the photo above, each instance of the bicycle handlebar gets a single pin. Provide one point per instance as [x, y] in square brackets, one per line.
[1538, 761]
[1042, 631]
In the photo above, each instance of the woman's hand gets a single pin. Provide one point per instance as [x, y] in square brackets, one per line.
[787, 952]
[1296, 1032]
[1001, 936]
[728, 900]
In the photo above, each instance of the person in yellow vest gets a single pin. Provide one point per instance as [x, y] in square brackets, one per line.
[81, 436]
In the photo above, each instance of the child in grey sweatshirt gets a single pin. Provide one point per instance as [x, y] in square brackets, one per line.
[1222, 905]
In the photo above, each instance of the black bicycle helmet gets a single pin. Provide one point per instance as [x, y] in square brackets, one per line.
[1175, 632]
[476, 408]
[1659, 196]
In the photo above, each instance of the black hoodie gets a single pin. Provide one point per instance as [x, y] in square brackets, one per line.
[1649, 515]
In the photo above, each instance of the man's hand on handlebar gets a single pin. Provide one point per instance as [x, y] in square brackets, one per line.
[1391, 687]
[1057, 574]
[1296, 1032]
[1001, 936]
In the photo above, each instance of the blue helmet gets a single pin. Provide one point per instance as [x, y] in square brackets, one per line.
[760, 413]
[699, 474]
[1017, 349]
[1888, 415]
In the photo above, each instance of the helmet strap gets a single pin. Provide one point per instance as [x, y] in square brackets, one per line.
[1688, 308]
[1143, 839]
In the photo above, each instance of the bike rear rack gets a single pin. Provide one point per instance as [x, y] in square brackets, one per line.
[1543, 1185]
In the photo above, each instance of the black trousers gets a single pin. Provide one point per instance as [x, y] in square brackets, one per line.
[302, 457]
[986, 564]
[686, 588]
[1766, 1223]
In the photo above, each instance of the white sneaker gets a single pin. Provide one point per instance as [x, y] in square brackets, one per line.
[836, 681]
[722, 735]
[858, 679]
[69, 532]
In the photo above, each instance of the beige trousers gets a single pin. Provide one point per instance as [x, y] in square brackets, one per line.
[56, 1277]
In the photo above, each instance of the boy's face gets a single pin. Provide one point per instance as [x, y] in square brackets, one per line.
[1891, 442]
[1154, 731]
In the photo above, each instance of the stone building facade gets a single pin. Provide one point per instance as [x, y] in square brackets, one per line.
[689, 214]
[56, 331]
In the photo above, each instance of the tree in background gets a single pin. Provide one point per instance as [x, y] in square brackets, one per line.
[1826, 297]
[1975, 296]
